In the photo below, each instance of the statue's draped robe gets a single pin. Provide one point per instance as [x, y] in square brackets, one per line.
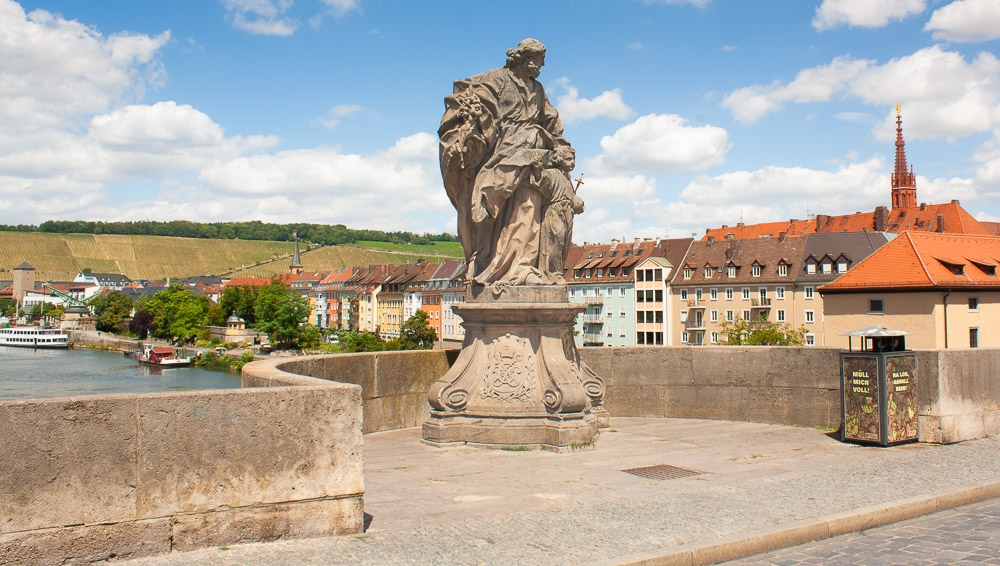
[491, 161]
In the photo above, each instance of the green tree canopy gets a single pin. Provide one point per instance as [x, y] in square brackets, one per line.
[240, 301]
[416, 333]
[111, 312]
[762, 332]
[177, 313]
[279, 313]
[354, 341]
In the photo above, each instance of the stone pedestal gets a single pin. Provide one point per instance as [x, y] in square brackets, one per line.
[519, 380]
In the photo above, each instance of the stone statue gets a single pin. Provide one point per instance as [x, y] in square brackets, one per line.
[505, 165]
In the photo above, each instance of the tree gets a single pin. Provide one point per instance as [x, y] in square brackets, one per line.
[177, 313]
[279, 313]
[416, 333]
[354, 341]
[239, 301]
[141, 323]
[8, 308]
[762, 332]
[111, 310]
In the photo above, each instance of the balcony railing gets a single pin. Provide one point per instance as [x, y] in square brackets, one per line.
[696, 303]
[598, 300]
[694, 324]
[593, 319]
[761, 303]
[593, 340]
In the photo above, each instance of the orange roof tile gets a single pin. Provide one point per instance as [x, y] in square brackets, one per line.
[925, 260]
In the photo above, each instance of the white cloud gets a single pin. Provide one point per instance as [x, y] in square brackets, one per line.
[341, 7]
[261, 17]
[54, 69]
[943, 94]
[864, 13]
[660, 143]
[573, 109]
[334, 115]
[966, 20]
[635, 46]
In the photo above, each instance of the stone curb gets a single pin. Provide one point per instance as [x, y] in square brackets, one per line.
[809, 530]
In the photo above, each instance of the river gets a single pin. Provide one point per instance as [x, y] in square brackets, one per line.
[27, 374]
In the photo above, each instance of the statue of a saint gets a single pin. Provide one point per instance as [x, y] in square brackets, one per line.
[506, 165]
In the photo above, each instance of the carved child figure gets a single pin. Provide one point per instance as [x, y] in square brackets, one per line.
[561, 203]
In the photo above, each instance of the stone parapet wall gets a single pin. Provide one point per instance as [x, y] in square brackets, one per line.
[393, 384]
[90, 478]
[781, 385]
[958, 392]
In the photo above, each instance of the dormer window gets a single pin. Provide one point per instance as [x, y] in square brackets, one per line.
[687, 273]
[708, 273]
[731, 271]
[782, 270]
[842, 266]
[602, 254]
[755, 271]
[590, 255]
[811, 268]
[827, 268]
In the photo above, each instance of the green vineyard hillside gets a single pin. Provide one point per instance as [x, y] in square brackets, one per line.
[59, 257]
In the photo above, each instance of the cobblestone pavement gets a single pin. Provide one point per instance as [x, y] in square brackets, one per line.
[964, 535]
[754, 482]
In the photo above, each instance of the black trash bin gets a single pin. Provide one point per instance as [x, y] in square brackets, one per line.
[878, 401]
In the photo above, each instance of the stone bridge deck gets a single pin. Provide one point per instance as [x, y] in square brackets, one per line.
[757, 487]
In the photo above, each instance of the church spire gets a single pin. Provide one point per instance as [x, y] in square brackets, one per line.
[904, 183]
[296, 266]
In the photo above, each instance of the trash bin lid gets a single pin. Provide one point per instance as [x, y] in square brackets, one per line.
[876, 331]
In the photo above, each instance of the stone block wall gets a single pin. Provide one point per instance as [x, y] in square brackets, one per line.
[795, 386]
[958, 392]
[393, 384]
[97, 477]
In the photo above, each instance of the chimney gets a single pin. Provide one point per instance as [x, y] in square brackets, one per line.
[586, 243]
[636, 241]
[781, 236]
[739, 224]
[940, 226]
[724, 226]
[614, 243]
[954, 201]
[821, 222]
[923, 206]
[881, 218]
[710, 241]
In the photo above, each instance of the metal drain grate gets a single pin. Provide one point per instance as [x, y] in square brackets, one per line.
[662, 472]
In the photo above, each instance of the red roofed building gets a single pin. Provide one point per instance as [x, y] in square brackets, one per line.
[904, 215]
[941, 288]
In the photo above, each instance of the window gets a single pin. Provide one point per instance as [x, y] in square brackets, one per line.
[608, 313]
[876, 306]
[610, 331]
[713, 294]
[600, 272]
[684, 337]
[782, 270]
[708, 273]
[640, 316]
[697, 294]
[612, 271]
[746, 293]
[731, 271]
[621, 331]
[586, 273]
[810, 340]
[640, 276]
[781, 316]
[621, 312]
[842, 266]
[625, 271]
[811, 268]
[809, 293]
[827, 268]
[729, 293]
[973, 303]
[810, 317]
[746, 315]
[659, 317]
[621, 291]
[730, 315]
[715, 338]
[607, 291]
[572, 293]
[714, 316]
[684, 294]
[657, 275]
[973, 337]
[755, 271]
[687, 273]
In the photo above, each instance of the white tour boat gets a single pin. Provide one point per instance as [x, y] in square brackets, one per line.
[33, 337]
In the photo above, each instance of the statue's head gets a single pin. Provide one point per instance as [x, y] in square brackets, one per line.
[530, 53]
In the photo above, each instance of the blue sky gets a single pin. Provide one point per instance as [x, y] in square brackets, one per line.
[686, 114]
